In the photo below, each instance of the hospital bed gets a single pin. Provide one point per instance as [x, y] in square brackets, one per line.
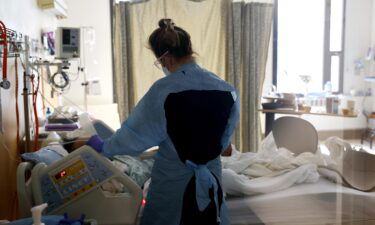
[73, 185]
[323, 202]
[320, 203]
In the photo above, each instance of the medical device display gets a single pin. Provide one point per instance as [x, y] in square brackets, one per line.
[73, 185]
[72, 180]
[67, 42]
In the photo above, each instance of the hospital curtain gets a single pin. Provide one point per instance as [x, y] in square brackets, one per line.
[249, 31]
[123, 80]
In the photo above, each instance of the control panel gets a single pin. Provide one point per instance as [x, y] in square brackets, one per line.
[77, 176]
[73, 180]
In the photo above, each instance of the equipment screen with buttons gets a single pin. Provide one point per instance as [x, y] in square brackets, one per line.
[73, 180]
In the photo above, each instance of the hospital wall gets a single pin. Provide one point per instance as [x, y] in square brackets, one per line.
[96, 15]
[359, 36]
[31, 22]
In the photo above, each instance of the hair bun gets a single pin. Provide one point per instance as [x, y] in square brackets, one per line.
[166, 24]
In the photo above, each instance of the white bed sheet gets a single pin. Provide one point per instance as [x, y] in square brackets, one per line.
[323, 202]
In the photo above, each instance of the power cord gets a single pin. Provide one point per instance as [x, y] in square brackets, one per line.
[62, 76]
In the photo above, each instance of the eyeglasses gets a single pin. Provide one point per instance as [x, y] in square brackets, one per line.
[157, 62]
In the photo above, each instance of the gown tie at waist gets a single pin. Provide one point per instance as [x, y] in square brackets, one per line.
[204, 180]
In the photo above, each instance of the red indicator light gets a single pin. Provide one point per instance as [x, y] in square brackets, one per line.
[60, 174]
[143, 202]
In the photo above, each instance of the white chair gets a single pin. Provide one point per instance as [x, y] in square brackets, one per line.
[295, 134]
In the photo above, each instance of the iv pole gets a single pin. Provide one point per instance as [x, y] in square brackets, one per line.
[85, 83]
[26, 87]
[25, 93]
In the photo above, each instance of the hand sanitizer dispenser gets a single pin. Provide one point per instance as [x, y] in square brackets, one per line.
[36, 213]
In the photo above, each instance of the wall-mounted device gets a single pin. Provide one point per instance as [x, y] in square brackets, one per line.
[67, 42]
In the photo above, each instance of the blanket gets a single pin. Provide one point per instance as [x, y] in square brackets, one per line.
[271, 169]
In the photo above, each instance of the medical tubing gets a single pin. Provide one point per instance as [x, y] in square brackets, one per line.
[65, 98]
[68, 142]
[34, 98]
[22, 63]
[26, 110]
[44, 97]
[36, 116]
[43, 101]
[3, 31]
[64, 77]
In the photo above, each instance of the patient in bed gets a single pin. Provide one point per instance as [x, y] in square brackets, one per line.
[273, 169]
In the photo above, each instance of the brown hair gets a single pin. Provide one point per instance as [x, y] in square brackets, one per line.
[171, 38]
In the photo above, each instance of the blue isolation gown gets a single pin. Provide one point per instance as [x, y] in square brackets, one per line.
[146, 127]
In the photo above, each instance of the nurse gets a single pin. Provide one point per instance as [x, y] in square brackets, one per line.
[190, 114]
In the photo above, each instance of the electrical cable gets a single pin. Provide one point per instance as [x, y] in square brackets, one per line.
[76, 74]
[35, 90]
[23, 64]
[31, 118]
[32, 100]
[63, 143]
[46, 100]
[36, 116]
[65, 98]
[43, 102]
[59, 74]
[68, 142]
[55, 110]
[64, 77]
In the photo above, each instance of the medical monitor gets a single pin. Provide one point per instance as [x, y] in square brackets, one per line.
[67, 42]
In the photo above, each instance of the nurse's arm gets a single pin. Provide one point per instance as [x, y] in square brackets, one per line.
[144, 128]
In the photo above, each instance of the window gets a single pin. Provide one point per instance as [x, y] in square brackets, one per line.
[308, 42]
